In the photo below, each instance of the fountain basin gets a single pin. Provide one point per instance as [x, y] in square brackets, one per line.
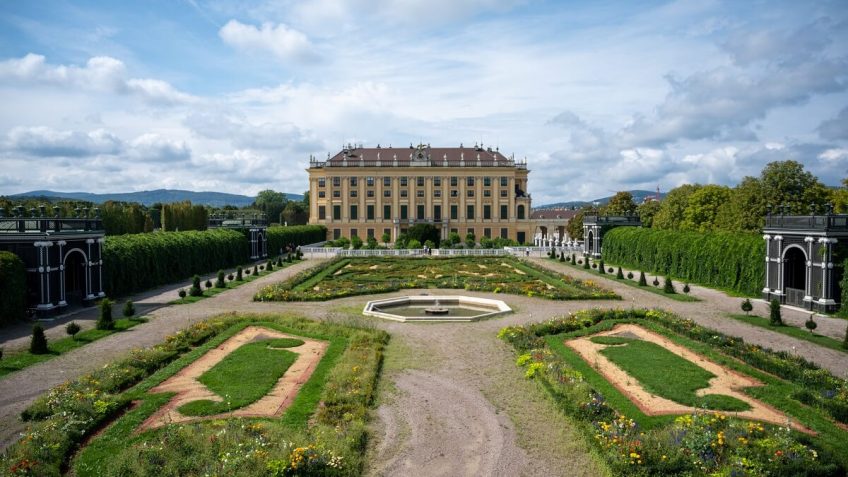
[435, 308]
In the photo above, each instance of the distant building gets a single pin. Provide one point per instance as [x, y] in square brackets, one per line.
[550, 226]
[367, 192]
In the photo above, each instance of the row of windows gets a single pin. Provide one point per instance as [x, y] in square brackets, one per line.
[419, 181]
[487, 232]
[419, 212]
[405, 193]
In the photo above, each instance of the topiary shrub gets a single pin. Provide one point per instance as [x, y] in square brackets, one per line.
[630, 275]
[668, 286]
[182, 293]
[686, 288]
[601, 268]
[195, 289]
[656, 282]
[810, 324]
[208, 283]
[270, 265]
[562, 257]
[774, 313]
[595, 266]
[38, 342]
[13, 288]
[105, 322]
[747, 306]
[642, 281]
[129, 309]
[219, 283]
[231, 277]
[239, 276]
[72, 329]
[261, 267]
[619, 274]
[610, 270]
[845, 341]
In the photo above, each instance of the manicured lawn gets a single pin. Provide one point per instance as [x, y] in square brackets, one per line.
[678, 296]
[801, 334]
[16, 361]
[244, 376]
[665, 374]
[359, 276]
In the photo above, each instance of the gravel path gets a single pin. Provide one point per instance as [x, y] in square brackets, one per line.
[452, 401]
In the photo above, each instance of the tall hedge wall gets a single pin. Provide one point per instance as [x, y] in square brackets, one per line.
[12, 288]
[731, 261]
[279, 237]
[142, 261]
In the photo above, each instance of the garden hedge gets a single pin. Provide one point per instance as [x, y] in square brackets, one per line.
[730, 261]
[12, 288]
[142, 261]
[279, 237]
[843, 285]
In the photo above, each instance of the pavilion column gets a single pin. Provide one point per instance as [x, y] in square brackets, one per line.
[61, 266]
[808, 270]
[44, 274]
[827, 271]
[88, 266]
[767, 288]
[779, 239]
[100, 241]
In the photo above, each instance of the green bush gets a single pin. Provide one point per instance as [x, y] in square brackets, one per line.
[239, 272]
[811, 324]
[725, 260]
[129, 309]
[38, 342]
[13, 289]
[219, 283]
[195, 289]
[601, 268]
[279, 237]
[668, 286]
[747, 306]
[619, 274]
[105, 322]
[144, 261]
[774, 313]
[72, 329]
[643, 282]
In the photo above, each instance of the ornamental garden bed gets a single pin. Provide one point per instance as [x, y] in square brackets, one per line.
[360, 276]
[234, 395]
[659, 395]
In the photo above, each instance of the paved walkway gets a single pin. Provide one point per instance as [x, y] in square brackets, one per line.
[452, 400]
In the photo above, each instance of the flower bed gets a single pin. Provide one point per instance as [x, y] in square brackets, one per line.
[697, 444]
[361, 276]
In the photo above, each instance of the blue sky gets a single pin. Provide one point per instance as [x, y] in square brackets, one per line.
[598, 96]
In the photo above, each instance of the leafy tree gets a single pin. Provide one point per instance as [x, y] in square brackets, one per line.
[647, 211]
[643, 282]
[195, 289]
[620, 204]
[372, 243]
[470, 240]
[774, 313]
[219, 283]
[668, 286]
[747, 306]
[270, 202]
[839, 198]
[703, 206]
[148, 224]
[386, 238]
[787, 183]
[356, 242]
[295, 213]
[671, 213]
[746, 209]
[38, 342]
[454, 239]
[413, 244]
[575, 224]
[105, 322]
[72, 329]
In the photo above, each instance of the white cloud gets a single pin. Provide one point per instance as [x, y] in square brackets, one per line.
[47, 142]
[282, 41]
[155, 148]
[836, 128]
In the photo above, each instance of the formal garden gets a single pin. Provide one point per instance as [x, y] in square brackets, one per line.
[233, 395]
[360, 276]
[660, 395]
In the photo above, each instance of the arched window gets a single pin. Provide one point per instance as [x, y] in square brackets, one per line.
[520, 212]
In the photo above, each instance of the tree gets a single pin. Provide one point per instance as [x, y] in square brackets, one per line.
[643, 282]
[271, 203]
[38, 342]
[810, 324]
[295, 213]
[746, 209]
[619, 274]
[747, 306]
[413, 244]
[470, 240]
[668, 286]
[386, 238]
[845, 341]
[148, 224]
[372, 243]
[356, 242]
[672, 209]
[703, 206]
[620, 204]
[787, 183]
[454, 239]
[72, 329]
[647, 211]
[774, 313]
[219, 283]
[105, 322]
[195, 289]
[575, 225]
[129, 309]
[839, 198]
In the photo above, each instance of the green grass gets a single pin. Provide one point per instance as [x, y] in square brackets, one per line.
[678, 296]
[801, 334]
[229, 284]
[241, 378]
[16, 361]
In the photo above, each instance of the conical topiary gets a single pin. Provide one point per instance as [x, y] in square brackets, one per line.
[105, 322]
[668, 286]
[239, 276]
[643, 282]
[129, 309]
[601, 268]
[219, 283]
[619, 274]
[747, 306]
[811, 324]
[38, 342]
[195, 289]
[774, 313]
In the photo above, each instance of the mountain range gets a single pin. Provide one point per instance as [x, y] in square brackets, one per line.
[150, 197]
[638, 197]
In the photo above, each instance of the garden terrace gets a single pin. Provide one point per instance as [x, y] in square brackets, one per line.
[332, 364]
[644, 382]
[360, 276]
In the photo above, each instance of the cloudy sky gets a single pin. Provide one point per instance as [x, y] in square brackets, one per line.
[599, 96]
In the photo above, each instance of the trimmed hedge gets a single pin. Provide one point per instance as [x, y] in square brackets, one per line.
[142, 261]
[730, 261]
[279, 237]
[843, 285]
[12, 288]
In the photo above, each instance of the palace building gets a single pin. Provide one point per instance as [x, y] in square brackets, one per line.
[367, 192]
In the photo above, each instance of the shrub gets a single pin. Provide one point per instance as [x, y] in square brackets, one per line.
[573, 258]
[726, 260]
[642, 281]
[686, 288]
[106, 322]
[810, 324]
[279, 237]
[668, 286]
[610, 270]
[774, 313]
[195, 289]
[261, 267]
[580, 262]
[280, 261]
[356, 242]
[630, 275]
[208, 283]
[13, 291]
[747, 306]
[619, 274]
[72, 329]
[219, 283]
[845, 341]
[413, 244]
[586, 263]
[231, 277]
[182, 293]
[594, 266]
[1, 353]
[256, 270]
[562, 257]
[270, 265]
[38, 342]
[656, 282]
[129, 309]
[601, 267]
[239, 272]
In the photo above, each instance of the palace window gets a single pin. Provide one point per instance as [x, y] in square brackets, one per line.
[469, 212]
[353, 182]
[487, 232]
[454, 212]
[404, 212]
[337, 194]
[404, 193]
[337, 234]
[469, 181]
[354, 233]
[322, 212]
[354, 212]
[387, 192]
[387, 212]
[419, 193]
[504, 193]
[387, 182]
[504, 181]
[337, 212]
[487, 182]
[337, 181]
[487, 212]
[322, 194]
[470, 192]
[369, 193]
[504, 212]
[404, 182]
[420, 181]
[322, 182]
[369, 212]
[369, 181]
[504, 233]
[437, 181]
[487, 192]
[419, 212]
[437, 213]
[370, 233]
[353, 193]
[454, 193]
[437, 193]
[520, 212]
[454, 181]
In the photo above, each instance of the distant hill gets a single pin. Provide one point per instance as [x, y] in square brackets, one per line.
[638, 197]
[149, 197]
